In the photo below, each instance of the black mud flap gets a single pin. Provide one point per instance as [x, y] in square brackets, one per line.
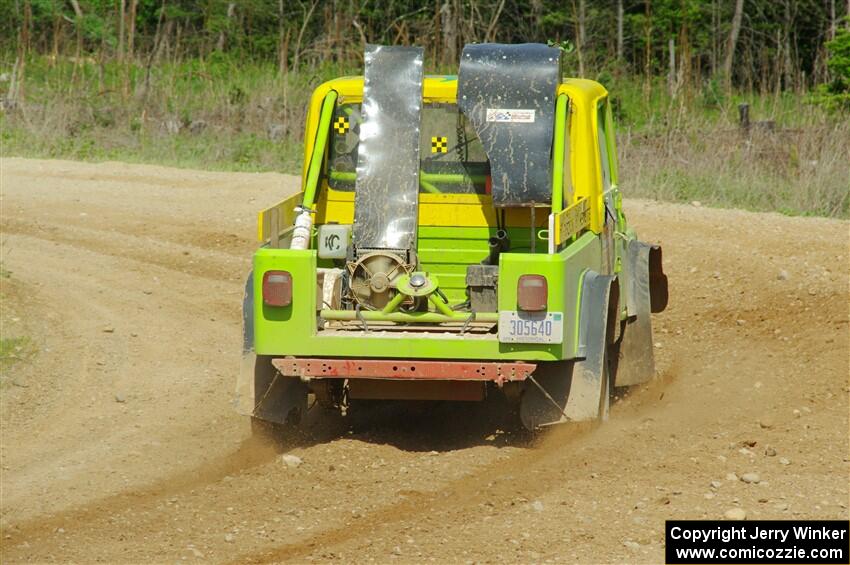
[646, 292]
[658, 293]
[278, 399]
[576, 391]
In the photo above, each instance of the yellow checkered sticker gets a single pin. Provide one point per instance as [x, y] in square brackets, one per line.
[439, 144]
[341, 125]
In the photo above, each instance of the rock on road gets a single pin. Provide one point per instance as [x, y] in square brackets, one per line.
[119, 443]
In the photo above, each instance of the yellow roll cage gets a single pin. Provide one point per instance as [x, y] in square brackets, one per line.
[585, 170]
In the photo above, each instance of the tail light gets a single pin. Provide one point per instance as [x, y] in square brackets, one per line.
[277, 288]
[532, 293]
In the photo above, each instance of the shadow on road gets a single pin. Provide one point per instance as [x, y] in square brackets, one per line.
[414, 425]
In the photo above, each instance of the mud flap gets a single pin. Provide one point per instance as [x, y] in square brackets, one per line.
[279, 399]
[244, 401]
[646, 292]
[261, 391]
[574, 389]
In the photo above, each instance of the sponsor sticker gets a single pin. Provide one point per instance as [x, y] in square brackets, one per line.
[510, 115]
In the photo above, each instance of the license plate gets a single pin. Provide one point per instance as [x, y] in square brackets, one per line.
[531, 327]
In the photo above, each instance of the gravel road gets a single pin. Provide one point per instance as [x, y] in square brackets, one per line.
[119, 442]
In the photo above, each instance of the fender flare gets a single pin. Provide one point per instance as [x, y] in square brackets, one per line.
[599, 299]
[244, 400]
[574, 388]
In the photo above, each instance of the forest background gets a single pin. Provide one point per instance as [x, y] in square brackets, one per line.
[224, 85]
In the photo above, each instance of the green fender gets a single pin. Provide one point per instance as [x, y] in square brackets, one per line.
[261, 391]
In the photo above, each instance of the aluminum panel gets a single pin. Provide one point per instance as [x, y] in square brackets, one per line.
[387, 188]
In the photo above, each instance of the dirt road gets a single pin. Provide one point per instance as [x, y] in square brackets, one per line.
[119, 443]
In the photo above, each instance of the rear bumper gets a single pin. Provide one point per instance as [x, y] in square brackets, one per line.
[403, 369]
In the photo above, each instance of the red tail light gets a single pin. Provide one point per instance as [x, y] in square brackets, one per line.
[277, 288]
[532, 293]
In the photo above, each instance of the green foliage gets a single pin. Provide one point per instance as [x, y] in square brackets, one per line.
[315, 33]
[206, 80]
[235, 102]
[564, 45]
[712, 94]
[13, 350]
[835, 94]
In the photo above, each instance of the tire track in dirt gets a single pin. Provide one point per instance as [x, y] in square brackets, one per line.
[250, 454]
[92, 361]
[495, 480]
[209, 265]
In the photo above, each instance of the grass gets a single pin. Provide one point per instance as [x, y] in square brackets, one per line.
[224, 114]
[797, 171]
[13, 350]
[691, 148]
[221, 114]
[213, 150]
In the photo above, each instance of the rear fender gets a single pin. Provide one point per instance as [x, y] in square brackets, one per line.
[261, 391]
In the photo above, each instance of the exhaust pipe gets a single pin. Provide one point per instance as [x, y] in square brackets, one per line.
[497, 244]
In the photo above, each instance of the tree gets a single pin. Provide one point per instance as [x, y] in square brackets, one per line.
[836, 93]
[732, 42]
